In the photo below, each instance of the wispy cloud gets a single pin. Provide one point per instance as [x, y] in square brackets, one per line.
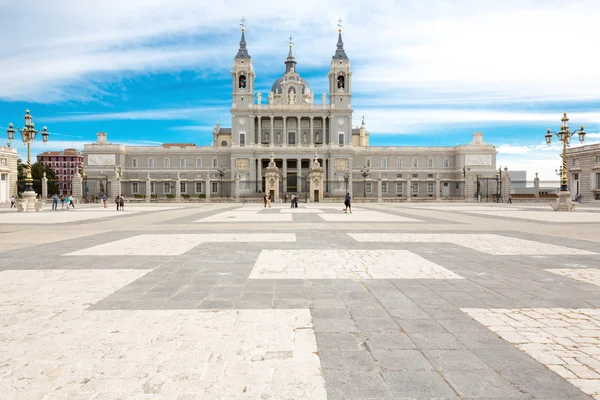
[192, 113]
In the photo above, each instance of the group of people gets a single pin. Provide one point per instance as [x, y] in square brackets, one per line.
[65, 201]
[294, 200]
[119, 201]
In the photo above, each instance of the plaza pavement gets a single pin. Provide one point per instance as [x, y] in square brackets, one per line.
[235, 301]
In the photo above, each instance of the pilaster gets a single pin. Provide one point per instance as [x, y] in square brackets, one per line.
[272, 138]
[312, 132]
[299, 174]
[284, 136]
[208, 186]
[237, 188]
[259, 127]
[408, 190]
[259, 174]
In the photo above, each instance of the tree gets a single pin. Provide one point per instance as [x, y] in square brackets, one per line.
[37, 173]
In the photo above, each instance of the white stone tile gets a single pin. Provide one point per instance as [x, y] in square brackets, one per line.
[346, 264]
[587, 275]
[246, 216]
[58, 217]
[544, 216]
[300, 211]
[176, 244]
[365, 216]
[51, 344]
[559, 349]
[487, 243]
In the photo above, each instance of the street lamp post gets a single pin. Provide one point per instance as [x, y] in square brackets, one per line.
[28, 134]
[563, 202]
[346, 179]
[364, 173]
[498, 180]
[221, 172]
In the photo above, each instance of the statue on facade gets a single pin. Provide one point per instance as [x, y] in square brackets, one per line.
[308, 95]
[259, 98]
[304, 137]
[271, 97]
[278, 136]
[317, 137]
[323, 99]
[292, 96]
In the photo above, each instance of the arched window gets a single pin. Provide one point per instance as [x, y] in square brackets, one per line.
[341, 82]
[242, 82]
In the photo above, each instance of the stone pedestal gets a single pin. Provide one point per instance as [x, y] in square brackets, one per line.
[563, 202]
[44, 187]
[272, 180]
[536, 188]
[30, 197]
[148, 189]
[470, 188]
[77, 186]
[315, 178]
[115, 187]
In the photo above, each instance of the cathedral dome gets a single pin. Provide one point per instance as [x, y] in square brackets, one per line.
[276, 88]
[290, 76]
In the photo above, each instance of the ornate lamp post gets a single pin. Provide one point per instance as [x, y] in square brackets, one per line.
[564, 135]
[346, 179]
[221, 172]
[28, 134]
[364, 173]
[498, 180]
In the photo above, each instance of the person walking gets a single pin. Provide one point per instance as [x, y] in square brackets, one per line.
[295, 200]
[265, 201]
[292, 200]
[347, 203]
[68, 201]
[269, 200]
[62, 201]
[72, 200]
[105, 200]
[12, 201]
[117, 202]
[122, 202]
[510, 199]
[55, 201]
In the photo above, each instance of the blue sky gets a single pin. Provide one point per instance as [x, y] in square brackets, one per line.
[424, 72]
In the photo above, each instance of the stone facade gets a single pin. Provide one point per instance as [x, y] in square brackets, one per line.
[65, 165]
[295, 130]
[583, 171]
[8, 173]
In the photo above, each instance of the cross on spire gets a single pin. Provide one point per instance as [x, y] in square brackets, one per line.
[291, 43]
[243, 24]
[339, 21]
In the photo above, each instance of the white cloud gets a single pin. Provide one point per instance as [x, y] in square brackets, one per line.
[192, 113]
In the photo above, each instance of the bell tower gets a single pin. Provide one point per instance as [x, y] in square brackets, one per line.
[242, 76]
[340, 77]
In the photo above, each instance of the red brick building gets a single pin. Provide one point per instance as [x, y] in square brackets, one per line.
[64, 164]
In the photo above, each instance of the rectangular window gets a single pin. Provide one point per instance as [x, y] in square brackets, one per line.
[368, 163]
[598, 181]
[182, 162]
[71, 165]
[384, 163]
[399, 163]
[135, 187]
[597, 159]
[198, 162]
[242, 139]
[3, 161]
[415, 163]
[134, 162]
[215, 162]
[167, 162]
[384, 187]
[215, 187]
[429, 187]
[415, 188]
[398, 187]
[198, 187]
[368, 187]
[341, 139]
[415, 175]
[183, 187]
[430, 163]
[72, 172]
[151, 163]
[152, 187]
[167, 187]
[446, 163]
[575, 162]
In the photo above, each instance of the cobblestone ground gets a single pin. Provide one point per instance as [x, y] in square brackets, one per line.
[233, 301]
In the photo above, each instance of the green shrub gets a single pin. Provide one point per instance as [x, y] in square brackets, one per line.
[154, 196]
[187, 196]
[202, 196]
[138, 196]
[170, 196]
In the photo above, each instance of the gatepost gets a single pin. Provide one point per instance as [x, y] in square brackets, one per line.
[44, 187]
[536, 188]
[77, 186]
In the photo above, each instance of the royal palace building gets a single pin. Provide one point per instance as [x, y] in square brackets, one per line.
[292, 129]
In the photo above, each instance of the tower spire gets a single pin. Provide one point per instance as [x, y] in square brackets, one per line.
[340, 53]
[290, 62]
[243, 51]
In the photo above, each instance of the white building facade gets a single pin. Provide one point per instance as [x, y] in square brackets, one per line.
[292, 128]
[8, 173]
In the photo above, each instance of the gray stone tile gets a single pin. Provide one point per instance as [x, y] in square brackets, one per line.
[420, 326]
[481, 384]
[435, 341]
[346, 360]
[388, 340]
[336, 341]
[400, 359]
[345, 385]
[418, 384]
[455, 360]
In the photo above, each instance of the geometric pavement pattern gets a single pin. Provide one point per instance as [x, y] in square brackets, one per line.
[157, 305]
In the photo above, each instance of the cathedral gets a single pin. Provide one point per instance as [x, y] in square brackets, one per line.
[289, 130]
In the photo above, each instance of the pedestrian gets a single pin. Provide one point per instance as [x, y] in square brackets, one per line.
[347, 203]
[265, 201]
[72, 202]
[295, 200]
[510, 199]
[122, 202]
[105, 200]
[68, 201]
[55, 201]
[292, 200]
[117, 202]
[62, 201]
[12, 201]
[269, 200]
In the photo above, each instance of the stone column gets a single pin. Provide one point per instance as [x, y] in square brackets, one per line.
[325, 131]
[237, 188]
[506, 184]
[259, 174]
[408, 190]
[284, 133]
[259, 131]
[76, 187]
[536, 187]
[284, 164]
[330, 164]
[379, 191]
[272, 138]
[178, 188]
[208, 189]
[437, 187]
[148, 189]
[312, 132]
[350, 181]
[298, 133]
[252, 174]
[45, 185]
[299, 175]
